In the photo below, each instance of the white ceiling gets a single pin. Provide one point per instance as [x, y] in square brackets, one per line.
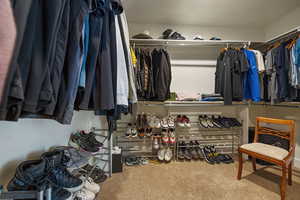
[235, 13]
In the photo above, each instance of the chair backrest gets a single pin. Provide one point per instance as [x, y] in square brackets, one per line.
[288, 134]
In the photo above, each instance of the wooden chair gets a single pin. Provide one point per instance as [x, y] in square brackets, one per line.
[270, 153]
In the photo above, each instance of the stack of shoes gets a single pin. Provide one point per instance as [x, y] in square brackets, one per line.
[213, 157]
[85, 141]
[172, 35]
[189, 151]
[168, 136]
[218, 122]
[183, 121]
[49, 171]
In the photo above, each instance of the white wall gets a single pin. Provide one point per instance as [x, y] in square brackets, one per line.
[285, 23]
[28, 138]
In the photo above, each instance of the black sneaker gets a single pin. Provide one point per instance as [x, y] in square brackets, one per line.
[30, 175]
[79, 141]
[91, 138]
[208, 156]
[58, 175]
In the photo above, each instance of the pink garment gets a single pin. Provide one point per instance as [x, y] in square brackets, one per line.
[188, 97]
[7, 40]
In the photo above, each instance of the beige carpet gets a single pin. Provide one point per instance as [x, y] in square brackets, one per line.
[196, 181]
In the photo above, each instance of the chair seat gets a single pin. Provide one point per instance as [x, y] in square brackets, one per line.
[266, 150]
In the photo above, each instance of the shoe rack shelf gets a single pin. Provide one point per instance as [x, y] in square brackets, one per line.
[225, 139]
[38, 195]
[104, 157]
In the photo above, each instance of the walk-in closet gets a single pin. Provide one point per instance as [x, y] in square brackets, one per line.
[149, 99]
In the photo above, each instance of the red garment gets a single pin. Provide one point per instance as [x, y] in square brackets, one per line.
[7, 40]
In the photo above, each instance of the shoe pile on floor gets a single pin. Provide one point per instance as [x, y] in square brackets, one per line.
[218, 121]
[65, 170]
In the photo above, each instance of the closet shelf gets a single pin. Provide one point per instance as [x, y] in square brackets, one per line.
[183, 43]
[187, 103]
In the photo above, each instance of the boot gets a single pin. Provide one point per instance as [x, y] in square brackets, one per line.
[58, 175]
[30, 175]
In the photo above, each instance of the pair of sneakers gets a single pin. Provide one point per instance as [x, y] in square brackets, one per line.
[168, 136]
[168, 122]
[153, 121]
[89, 190]
[183, 121]
[165, 154]
[131, 131]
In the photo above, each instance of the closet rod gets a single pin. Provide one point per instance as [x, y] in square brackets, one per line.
[283, 36]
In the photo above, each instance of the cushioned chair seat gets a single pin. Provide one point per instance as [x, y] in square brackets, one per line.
[267, 150]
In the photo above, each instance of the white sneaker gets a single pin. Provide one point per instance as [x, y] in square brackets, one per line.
[168, 155]
[84, 194]
[91, 186]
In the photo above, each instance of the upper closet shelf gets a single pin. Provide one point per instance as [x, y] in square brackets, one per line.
[183, 43]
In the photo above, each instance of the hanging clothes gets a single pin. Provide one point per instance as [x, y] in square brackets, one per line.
[69, 54]
[251, 82]
[153, 74]
[230, 70]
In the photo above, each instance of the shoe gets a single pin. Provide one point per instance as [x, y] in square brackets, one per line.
[98, 175]
[139, 123]
[168, 155]
[84, 194]
[209, 122]
[203, 122]
[60, 194]
[157, 122]
[145, 123]
[77, 158]
[165, 137]
[208, 155]
[172, 137]
[186, 121]
[90, 185]
[57, 173]
[186, 154]
[161, 154]
[167, 33]
[215, 122]
[77, 141]
[176, 36]
[91, 138]
[29, 175]
[181, 156]
[171, 122]
[215, 154]
[134, 131]
[198, 149]
[215, 38]
[180, 121]
[148, 132]
[192, 151]
[141, 133]
[198, 37]
[129, 130]
[164, 123]
[155, 144]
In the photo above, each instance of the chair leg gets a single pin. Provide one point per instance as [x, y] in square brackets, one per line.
[283, 183]
[290, 171]
[254, 163]
[240, 166]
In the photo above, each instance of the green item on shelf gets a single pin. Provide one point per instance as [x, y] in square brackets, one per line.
[173, 96]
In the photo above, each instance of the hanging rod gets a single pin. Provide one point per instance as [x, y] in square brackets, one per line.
[283, 36]
[183, 43]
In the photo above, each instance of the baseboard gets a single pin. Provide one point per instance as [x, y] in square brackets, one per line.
[297, 163]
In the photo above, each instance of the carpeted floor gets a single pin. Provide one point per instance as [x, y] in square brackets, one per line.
[196, 181]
